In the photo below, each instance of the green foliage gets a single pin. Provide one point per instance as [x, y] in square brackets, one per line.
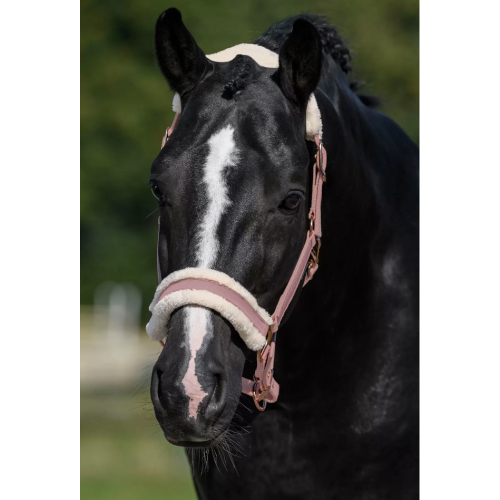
[126, 106]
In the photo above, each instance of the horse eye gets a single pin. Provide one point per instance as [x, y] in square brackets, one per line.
[291, 202]
[156, 191]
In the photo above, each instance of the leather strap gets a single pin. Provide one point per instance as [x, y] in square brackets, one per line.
[158, 268]
[310, 252]
[264, 387]
[170, 129]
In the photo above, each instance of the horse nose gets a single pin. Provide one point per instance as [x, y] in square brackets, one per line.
[187, 409]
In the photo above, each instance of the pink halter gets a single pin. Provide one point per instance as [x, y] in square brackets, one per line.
[264, 388]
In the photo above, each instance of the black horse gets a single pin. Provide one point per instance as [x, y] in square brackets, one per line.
[233, 184]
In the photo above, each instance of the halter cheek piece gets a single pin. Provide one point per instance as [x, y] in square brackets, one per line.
[218, 291]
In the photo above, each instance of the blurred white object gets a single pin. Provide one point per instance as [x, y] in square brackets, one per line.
[117, 311]
[112, 353]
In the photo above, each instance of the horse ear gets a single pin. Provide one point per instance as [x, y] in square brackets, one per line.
[181, 61]
[300, 60]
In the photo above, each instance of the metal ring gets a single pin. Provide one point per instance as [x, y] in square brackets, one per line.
[269, 337]
[311, 224]
[256, 401]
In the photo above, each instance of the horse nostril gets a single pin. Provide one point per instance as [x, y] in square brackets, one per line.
[216, 401]
[159, 388]
[159, 373]
[217, 394]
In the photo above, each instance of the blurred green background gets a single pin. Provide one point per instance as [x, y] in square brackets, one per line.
[125, 108]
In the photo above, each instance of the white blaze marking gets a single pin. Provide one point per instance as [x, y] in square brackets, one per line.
[196, 319]
[222, 154]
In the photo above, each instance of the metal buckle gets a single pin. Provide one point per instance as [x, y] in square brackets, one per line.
[165, 137]
[263, 394]
[260, 397]
[311, 223]
[314, 257]
[320, 163]
[318, 247]
[268, 342]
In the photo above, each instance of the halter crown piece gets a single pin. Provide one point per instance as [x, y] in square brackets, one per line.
[217, 291]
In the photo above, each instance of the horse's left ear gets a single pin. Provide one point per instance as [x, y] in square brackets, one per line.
[180, 59]
[300, 60]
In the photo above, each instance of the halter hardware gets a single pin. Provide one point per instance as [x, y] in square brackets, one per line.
[268, 340]
[257, 399]
[314, 257]
[320, 162]
[265, 367]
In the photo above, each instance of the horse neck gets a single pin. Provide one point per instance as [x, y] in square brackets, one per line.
[350, 208]
[332, 328]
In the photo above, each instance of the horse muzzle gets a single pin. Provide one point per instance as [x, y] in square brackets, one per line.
[195, 383]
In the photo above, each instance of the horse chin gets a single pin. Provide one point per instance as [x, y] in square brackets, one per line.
[210, 438]
[210, 443]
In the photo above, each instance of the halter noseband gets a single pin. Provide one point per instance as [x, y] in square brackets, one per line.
[218, 291]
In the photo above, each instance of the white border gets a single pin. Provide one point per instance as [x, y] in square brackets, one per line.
[460, 250]
[460, 257]
[39, 265]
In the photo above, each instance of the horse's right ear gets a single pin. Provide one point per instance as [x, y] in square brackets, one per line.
[300, 61]
[181, 61]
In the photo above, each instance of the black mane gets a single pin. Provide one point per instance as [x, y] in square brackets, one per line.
[333, 44]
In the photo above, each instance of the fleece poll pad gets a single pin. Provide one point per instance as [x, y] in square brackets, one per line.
[267, 59]
[214, 290]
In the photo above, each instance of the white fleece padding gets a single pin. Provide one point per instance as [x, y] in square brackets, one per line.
[267, 59]
[262, 56]
[162, 311]
[212, 275]
[176, 104]
[314, 124]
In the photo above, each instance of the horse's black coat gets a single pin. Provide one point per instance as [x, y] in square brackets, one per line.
[346, 422]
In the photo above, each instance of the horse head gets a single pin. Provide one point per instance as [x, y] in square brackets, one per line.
[233, 187]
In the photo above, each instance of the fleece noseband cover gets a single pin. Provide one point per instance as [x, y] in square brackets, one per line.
[213, 290]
